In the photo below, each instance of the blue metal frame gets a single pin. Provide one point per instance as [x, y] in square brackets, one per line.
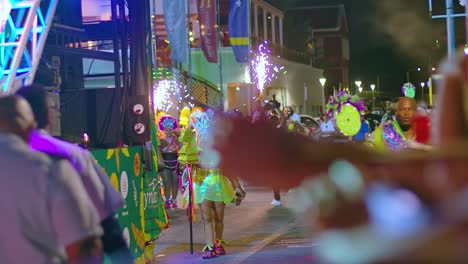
[22, 42]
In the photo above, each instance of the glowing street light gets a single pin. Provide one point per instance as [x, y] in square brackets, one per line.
[358, 83]
[322, 82]
[360, 89]
[372, 87]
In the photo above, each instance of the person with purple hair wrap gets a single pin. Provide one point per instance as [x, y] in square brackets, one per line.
[170, 152]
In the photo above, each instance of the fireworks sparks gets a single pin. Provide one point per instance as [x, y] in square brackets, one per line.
[169, 93]
[264, 71]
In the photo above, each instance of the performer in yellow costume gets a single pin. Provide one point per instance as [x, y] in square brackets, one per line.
[211, 189]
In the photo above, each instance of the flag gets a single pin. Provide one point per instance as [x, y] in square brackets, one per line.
[239, 29]
[176, 28]
[208, 30]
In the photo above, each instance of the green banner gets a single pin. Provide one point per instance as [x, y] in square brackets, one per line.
[155, 215]
[143, 216]
[125, 169]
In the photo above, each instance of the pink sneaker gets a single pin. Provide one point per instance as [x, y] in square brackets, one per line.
[174, 204]
[208, 252]
[167, 204]
[219, 249]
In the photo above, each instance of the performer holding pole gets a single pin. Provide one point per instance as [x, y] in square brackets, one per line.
[211, 189]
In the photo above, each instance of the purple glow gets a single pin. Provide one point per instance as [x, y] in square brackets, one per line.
[262, 68]
[169, 93]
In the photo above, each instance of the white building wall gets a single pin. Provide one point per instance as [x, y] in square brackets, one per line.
[289, 88]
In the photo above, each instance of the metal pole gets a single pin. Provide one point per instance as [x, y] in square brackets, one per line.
[220, 55]
[422, 94]
[407, 77]
[378, 83]
[305, 98]
[42, 40]
[190, 205]
[430, 91]
[466, 20]
[190, 80]
[248, 66]
[323, 98]
[450, 28]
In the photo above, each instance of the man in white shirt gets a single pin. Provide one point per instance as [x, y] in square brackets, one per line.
[327, 125]
[47, 216]
[96, 182]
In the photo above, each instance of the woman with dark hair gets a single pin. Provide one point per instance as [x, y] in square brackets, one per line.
[96, 182]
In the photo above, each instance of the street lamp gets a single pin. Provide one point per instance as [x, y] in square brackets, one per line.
[422, 90]
[360, 89]
[373, 99]
[411, 70]
[322, 82]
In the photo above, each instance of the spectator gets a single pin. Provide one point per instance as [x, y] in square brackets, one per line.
[96, 182]
[327, 125]
[364, 131]
[47, 216]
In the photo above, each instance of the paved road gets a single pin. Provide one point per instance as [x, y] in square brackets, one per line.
[256, 232]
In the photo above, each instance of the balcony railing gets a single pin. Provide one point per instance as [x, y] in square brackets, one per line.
[204, 92]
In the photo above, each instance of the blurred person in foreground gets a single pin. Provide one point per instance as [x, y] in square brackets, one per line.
[96, 182]
[47, 216]
[362, 211]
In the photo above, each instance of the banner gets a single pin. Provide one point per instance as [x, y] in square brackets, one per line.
[156, 219]
[143, 203]
[176, 27]
[239, 29]
[208, 31]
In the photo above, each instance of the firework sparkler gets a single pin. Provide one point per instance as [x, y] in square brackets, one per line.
[264, 71]
[169, 93]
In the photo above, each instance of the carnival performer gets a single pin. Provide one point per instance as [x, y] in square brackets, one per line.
[212, 190]
[169, 149]
[398, 134]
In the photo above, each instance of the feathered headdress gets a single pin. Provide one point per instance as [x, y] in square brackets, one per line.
[167, 122]
[347, 110]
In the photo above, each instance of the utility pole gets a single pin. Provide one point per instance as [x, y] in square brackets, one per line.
[450, 28]
[466, 20]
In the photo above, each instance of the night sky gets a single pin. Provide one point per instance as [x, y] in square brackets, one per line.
[389, 37]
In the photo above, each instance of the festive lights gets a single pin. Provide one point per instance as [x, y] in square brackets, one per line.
[347, 109]
[348, 120]
[263, 70]
[169, 93]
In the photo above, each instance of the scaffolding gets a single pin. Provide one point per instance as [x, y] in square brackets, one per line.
[22, 40]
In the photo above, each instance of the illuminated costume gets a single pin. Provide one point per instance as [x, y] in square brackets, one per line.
[188, 154]
[211, 189]
[212, 185]
[169, 150]
[391, 137]
[209, 183]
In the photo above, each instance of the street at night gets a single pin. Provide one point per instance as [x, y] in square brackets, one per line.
[255, 231]
[233, 131]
